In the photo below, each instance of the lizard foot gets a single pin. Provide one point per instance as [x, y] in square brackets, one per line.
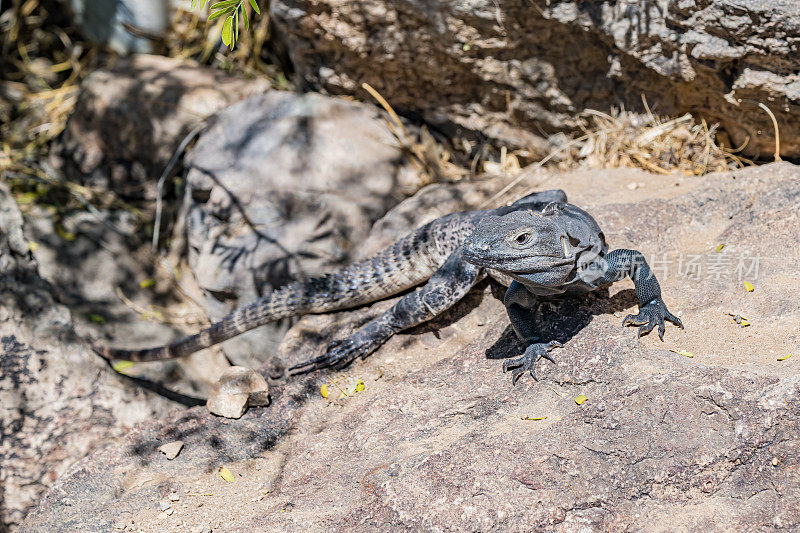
[651, 315]
[338, 354]
[526, 363]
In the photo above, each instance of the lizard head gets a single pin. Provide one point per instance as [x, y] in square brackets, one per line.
[543, 246]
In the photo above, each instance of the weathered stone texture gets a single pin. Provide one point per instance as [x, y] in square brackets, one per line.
[281, 187]
[517, 71]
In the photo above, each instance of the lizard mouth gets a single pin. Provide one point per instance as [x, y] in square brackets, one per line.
[542, 263]
[529, 263]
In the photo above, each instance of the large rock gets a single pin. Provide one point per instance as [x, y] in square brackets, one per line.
[58, 401]
[130, 118]
[440, 440]
[282, 187]
[517, 69]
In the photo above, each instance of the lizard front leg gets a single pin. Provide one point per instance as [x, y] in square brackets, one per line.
[444, 289]
[618, 264]
[519, 302]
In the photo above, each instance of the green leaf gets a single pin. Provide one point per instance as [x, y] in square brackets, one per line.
[225, 3]
[227, 33]
[97, 319]
[193, 5]
[254, 5]
[246, 20]
[235, 26]
[221, 12]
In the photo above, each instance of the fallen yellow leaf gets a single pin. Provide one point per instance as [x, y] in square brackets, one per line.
[122, 366]
[355, 385]
[749, 286]
[324, 391]
[534, 418]
[682, 352]
[784, 358]
[720, 247]
[226, 474]
[146, 283]
[580, 399]
[64, 234]
[33, 245]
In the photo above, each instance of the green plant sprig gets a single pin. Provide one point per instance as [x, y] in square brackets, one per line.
[230, 9]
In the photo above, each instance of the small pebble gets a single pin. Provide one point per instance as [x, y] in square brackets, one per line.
[171, 449]
[170, 511]
[173, 497]
[164, 505]
[775, 461]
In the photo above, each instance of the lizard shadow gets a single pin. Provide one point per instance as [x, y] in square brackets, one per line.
[213, 439]
[560, 319]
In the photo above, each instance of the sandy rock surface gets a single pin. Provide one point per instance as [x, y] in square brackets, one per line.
[438, 439]
[58, 402]
[517, 71]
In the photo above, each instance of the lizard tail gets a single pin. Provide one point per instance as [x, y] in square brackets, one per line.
[401, 266]
[273, 307]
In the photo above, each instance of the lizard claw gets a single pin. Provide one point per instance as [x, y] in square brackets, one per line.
[338, 354]
[650, 315]
[528, 360]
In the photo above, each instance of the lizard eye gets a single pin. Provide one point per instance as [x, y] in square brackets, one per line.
[521, 239]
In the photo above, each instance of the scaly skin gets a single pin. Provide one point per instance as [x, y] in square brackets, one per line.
[415, 258]
[405, 264]
[452, 254]
[559, 251]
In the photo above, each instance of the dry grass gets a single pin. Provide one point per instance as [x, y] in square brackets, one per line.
[627, 139]
[433, 161]
[41, 68]
[44, 60]
[642, 140]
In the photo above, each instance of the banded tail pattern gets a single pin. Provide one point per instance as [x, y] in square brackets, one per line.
[403, 265]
